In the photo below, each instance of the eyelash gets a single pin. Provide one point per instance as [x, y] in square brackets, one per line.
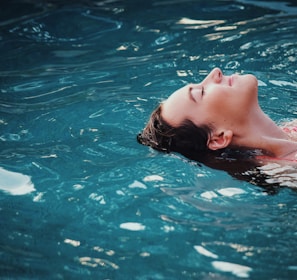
[191, 96]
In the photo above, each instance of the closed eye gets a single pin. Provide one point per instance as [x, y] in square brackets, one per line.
[195, 93]
[190, 94]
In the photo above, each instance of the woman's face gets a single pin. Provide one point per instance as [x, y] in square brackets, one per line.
[218, 100]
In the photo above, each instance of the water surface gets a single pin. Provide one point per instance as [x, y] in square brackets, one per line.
[80, 198]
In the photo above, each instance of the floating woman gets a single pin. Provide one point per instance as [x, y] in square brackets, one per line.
[220, 113]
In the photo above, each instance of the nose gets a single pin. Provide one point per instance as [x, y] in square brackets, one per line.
[215, 76]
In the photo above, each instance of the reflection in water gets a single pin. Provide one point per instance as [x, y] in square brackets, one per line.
[79, 80]
[282, 175]
[252, 166]
[274, 5]
[198, 24]
[240, 271]
[15, 183]
[52, 28]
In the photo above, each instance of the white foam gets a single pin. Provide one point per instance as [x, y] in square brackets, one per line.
[201, 250]
[208, 195]
[137, 184]
[153, 178]
[74, 243]
[132, 226]
[236, 269]
[15, 183]
[230, 191]
[283, 83]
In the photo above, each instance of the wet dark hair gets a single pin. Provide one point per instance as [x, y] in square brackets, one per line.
[184, 139]
[191, 140]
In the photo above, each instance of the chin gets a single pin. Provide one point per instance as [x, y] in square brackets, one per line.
[251, 81]
[253, 86]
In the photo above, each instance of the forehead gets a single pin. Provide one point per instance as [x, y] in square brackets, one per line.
[174, 107]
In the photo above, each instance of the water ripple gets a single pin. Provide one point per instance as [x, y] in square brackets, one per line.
[52, 27]
[73, 98]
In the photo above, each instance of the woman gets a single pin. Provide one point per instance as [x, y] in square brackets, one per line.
[222, 112]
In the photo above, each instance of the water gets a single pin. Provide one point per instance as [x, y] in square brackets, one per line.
[79, 197]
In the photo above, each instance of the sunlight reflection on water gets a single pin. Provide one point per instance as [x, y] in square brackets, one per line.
[78, 83]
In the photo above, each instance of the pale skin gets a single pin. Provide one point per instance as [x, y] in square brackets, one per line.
[230, 105]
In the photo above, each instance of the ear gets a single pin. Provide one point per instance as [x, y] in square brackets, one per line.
[220, 140]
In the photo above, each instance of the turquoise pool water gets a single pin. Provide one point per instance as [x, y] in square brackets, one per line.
[80, 198]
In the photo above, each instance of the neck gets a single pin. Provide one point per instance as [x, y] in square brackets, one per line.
[260, 132]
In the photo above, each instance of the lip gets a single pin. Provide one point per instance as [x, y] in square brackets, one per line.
[231, 80]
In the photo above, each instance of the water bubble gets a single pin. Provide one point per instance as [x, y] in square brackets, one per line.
[232, 65]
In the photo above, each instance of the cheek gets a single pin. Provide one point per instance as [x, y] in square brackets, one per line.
[218, 99]
[223, 105]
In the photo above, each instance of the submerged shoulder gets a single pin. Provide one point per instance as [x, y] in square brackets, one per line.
[290, 128]
[283, 173]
